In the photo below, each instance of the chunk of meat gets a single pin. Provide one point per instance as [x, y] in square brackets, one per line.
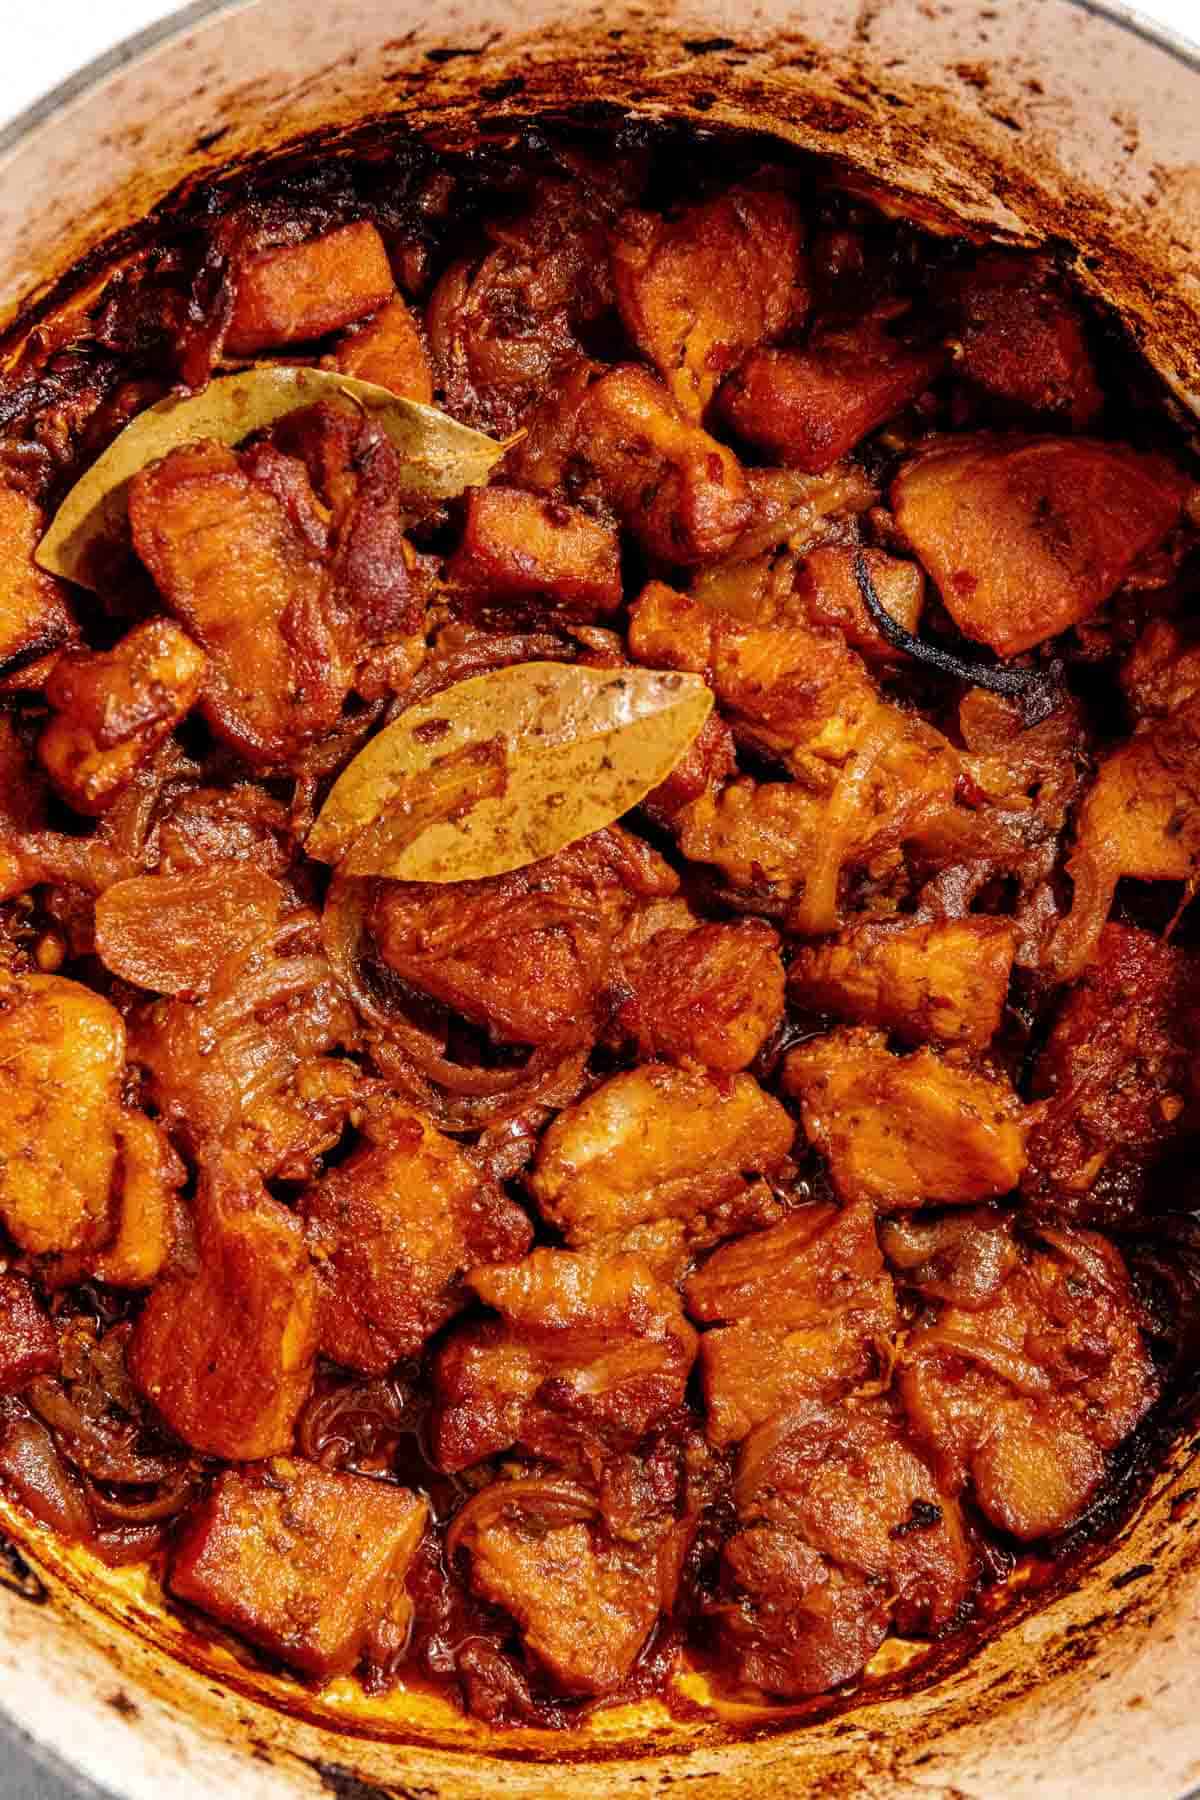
[809, 407]
[225, 1350]
[28, 1346]
[906, 1130]
[584, 1610]
[868, 774]
[710, 995]
[292, 293]
[962, 1257]
[796, 1624]
[149, 1177]
[1022, 340]
[238, 824]
[34, 614]
[1024, 1397]
[1114, 1073]
[62, 1060]
[827, 595]
[699, 288]
[618, 437]
[304, 1562]
[112, 709]
[657, 1157]
[388, 349]
[846, 1482]
[394, 1230]
[504, 326]
[520, 546]
[1162, 671]
[171, 933]
[589, 1352]
[248, 583]
[1027, 536]
[1141, 818]
[805, 1309]
[942, 982]
[527, 956]
[274, 1010]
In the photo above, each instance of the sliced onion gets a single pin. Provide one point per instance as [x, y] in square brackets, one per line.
[173, 1496]
[554, 1501]
[104, 1452]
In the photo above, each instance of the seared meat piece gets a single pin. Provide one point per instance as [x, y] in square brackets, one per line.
[809, 407]
[589, 1352]
[962, 1257]
[584, 1606]
[1022, 341]
[295, 292]
[706, 766]
[34, 613]
[906, 1130]
[388, 350]
[700, 287]
[1026, 536]
[797, 1623]
[306, 1563]
[520, 547]
[1162, 671]
[149, 1212]
[826, 593]
[527, 956]
[711, 995]
[111, 711]
[657, 1159]
[1114, 1075]
[62, 1061]
[225, 1350]
[394, 1230]
[945, 982]
[1023, 1397]
[28, 1346]
[805, 1309]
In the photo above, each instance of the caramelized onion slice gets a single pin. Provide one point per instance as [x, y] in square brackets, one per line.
[553, 1500]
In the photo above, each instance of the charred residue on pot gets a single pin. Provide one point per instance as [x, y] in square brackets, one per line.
[17, 1576]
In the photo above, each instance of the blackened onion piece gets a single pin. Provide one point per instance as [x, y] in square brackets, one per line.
[1038, 690]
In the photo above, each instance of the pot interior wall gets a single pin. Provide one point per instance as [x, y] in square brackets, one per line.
[1050, 123]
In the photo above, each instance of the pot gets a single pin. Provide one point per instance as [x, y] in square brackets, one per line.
[1061, 121]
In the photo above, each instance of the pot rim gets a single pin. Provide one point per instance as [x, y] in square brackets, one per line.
[72, 1783]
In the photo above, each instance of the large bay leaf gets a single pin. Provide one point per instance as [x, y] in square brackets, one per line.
[578, 747]
[442, 457]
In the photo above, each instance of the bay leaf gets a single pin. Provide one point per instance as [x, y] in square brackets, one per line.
[442, 458]
[580, 747]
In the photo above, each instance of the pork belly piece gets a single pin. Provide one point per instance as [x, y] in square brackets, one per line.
[28, 1346]
[306, 1563]
[1114, 1074]
[698, 288]
[589, 1352]
[225, 1349]
[394, 1231]
[962, 1256]
[617, 437]
[906, 1130]
[148, 1224]
[62, 1061]
[941, 982]
[804, 1309]
[34, 613]
[1024, 1397]
[519, 546]
[809, 407]
[527, 956]
[797, 1623]
[292, 293]
[1022, 342]
[247, 581]
[826, 593]
[704, 767]
[584, 1607]
[1140, 817]
[710, 995]
[1162, 671]
[658, 1158]
[112, 709]
[388, 349]
[1027, 536]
